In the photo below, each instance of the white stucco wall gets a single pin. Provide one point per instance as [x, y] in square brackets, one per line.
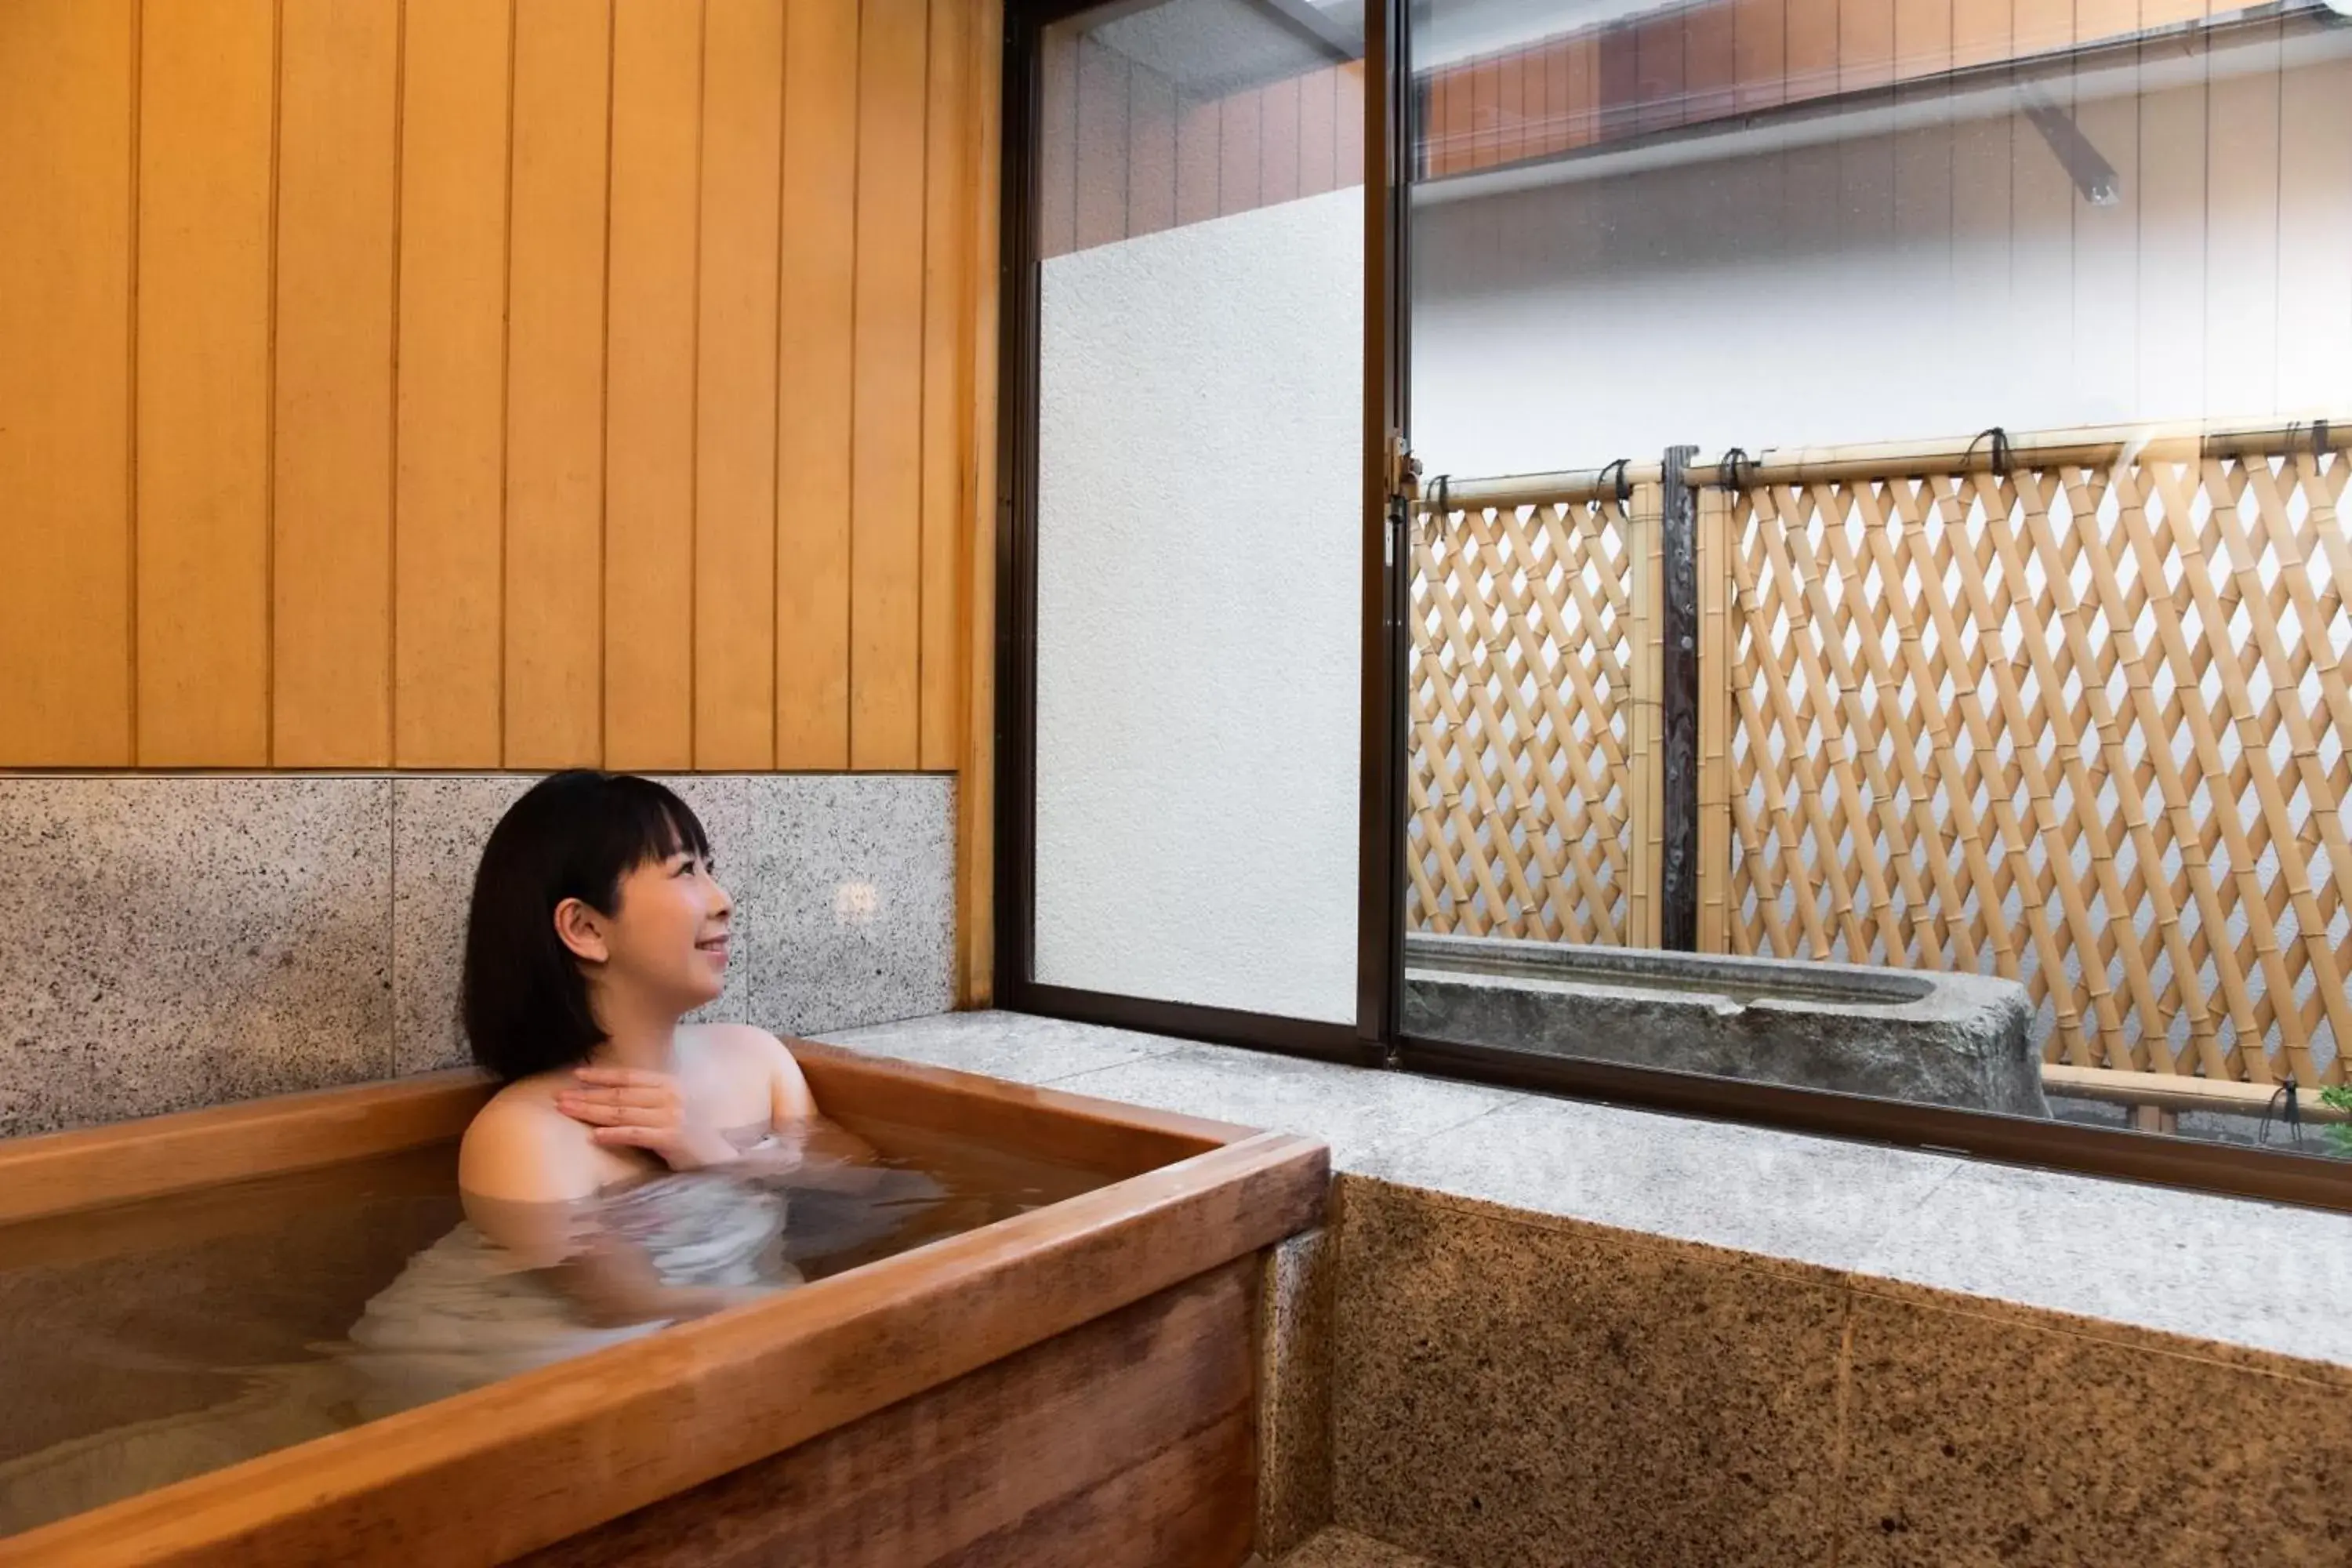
[1199, 612]
[1911, 286]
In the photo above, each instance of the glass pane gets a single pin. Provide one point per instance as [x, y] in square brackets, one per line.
[1995, 626]
[1200, 506]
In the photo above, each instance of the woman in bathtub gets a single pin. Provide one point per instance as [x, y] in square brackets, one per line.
[625, 1175]
[631, 1172]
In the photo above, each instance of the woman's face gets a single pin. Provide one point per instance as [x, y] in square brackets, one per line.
[667, 937]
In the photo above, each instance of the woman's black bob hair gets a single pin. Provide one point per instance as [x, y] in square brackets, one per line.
[571, 836]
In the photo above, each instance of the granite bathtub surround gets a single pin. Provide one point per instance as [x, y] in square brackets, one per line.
[1294, 1420]
[1995, 1437]
[2109, 1251]
[1576, 1334]
[185, 940]
[1510, 1391]
[1518, 1388]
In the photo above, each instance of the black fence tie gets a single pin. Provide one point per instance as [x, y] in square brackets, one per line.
[2000, 450]
[1624, 480]
[2283, 1102]
[1727, 472]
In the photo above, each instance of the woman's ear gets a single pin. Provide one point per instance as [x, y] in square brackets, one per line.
[579, 927]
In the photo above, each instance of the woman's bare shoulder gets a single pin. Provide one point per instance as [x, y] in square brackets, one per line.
[520, 1146]
[734, 1040]
[748, 1049]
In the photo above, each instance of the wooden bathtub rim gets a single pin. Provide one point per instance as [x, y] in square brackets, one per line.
[501, 1471]
[97, 1167]
[122, 1162]
[1094, 1134]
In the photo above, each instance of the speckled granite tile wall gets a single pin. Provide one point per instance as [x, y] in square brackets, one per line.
[1979, 1434]
[178, 942]
[1294, 1379]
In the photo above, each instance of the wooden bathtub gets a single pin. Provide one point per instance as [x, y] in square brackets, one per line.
[1072, 1385]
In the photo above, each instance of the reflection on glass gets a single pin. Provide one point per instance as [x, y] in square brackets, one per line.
[1198, 512]
[1989, 619]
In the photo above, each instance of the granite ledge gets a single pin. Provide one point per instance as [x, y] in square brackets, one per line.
[2250, 1280]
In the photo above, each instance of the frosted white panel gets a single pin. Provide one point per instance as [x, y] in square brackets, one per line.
[1199, 612]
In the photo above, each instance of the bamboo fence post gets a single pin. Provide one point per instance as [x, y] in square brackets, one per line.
[1642, 730]
[1676, 926]
[1714, 869]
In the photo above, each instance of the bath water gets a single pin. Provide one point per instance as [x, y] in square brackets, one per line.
[156, 1340]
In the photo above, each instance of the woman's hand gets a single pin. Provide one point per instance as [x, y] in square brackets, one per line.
[632, 1109]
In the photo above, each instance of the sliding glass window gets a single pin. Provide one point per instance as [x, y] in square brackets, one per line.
[1884, 530]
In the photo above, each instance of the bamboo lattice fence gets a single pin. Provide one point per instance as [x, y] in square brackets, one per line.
[2071, 708]
[1534, 618]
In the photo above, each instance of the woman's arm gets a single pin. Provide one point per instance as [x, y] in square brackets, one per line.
[614, 1285]
[831, 1157]
[528, 1184]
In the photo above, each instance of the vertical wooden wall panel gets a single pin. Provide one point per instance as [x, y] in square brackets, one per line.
[1102, 147]
[885, 546]
[1239, 131]
[449, 559]
[554, 624]
[1760, 44]
[817, 292]
[206, 118]
[1583, 95]
[331, 580]
[1658, 81]
[649, 414]
[1200, 141]
[735, 464]
[1486, 112]
[1711, 67]
[1620, 78]
[947, 259]
[1535, 102]
[1980, 32]
[1057, 141]
[1447, 123]
[1923, 38]
[976, 789]
[1811, 61]
[1152, 130]
[1318, 131]
[1552, 138]
[2038, 27]
[1865, 44]
[1278, 142]
[1347, 154]
[66, 191]
[2096, 21]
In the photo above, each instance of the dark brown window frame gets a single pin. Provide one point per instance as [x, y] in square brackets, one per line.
[1376, 1039]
